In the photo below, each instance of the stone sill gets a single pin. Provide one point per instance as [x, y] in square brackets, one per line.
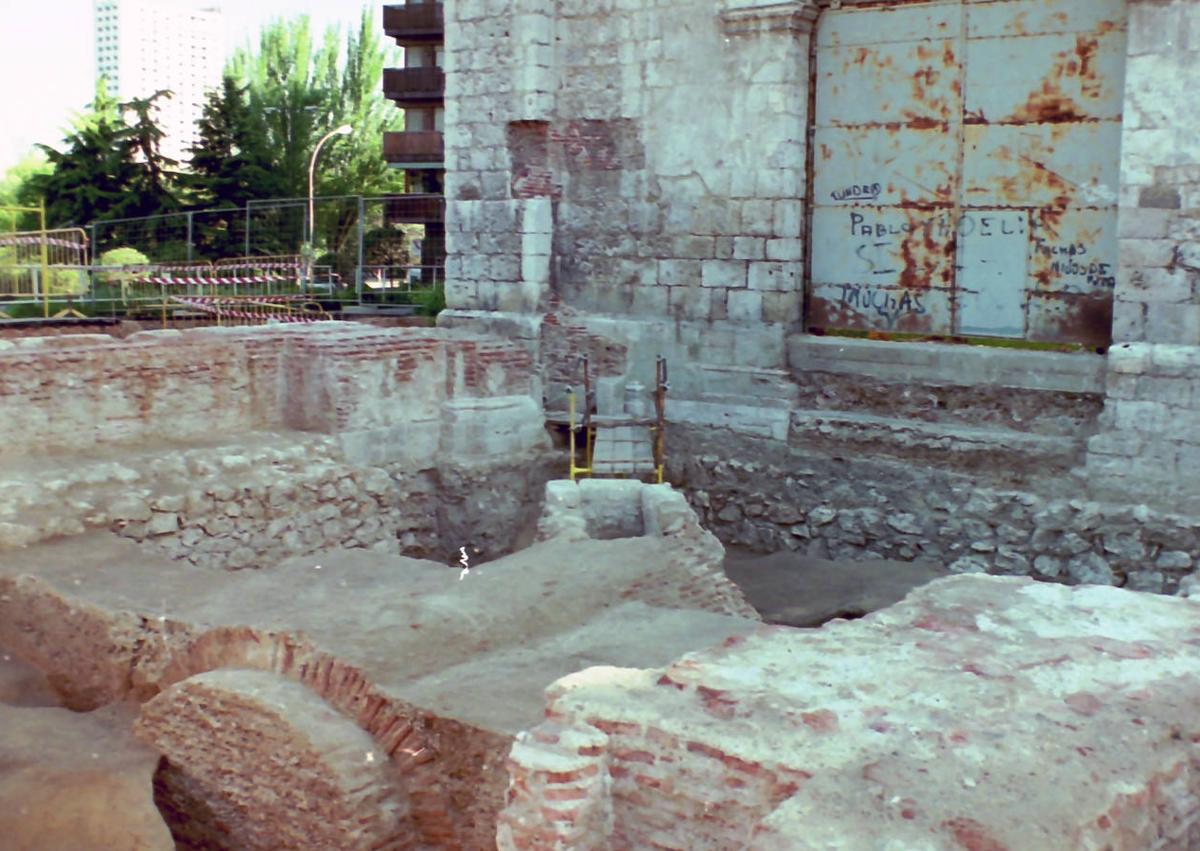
[941, 443]
[948, 364]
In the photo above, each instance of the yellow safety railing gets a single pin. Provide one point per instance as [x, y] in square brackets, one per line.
[233, 310]
[587, 425]
[42, 264]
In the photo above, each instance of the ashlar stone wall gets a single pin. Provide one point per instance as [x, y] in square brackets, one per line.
[613, 162]
[1148, 448]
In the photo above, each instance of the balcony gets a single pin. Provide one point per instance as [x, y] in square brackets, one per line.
[415, 87]
[415, 23]
[414, 149]
[416, 209]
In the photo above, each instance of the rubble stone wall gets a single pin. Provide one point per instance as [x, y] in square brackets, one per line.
[770, 495]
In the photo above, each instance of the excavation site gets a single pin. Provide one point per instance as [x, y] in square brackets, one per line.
[722, 425]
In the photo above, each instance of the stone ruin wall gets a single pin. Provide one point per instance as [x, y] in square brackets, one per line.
[242, 446]
[627, 181]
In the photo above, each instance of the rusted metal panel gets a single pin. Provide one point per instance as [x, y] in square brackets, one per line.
[1073, 251]
[913, 82]
[1070, 318]
[1033, 17]
[1045, 78]
[967, 152]
[991, 273]
[1042, 165]
[867, 307]
[890, 23]
[895, 246]
[904, 166]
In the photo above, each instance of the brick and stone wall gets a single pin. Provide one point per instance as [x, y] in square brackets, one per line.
[238, 447]
[86, 393]
[913, 728]
[78, 393]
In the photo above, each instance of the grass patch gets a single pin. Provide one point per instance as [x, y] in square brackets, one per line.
[31, 310]
[987, 342]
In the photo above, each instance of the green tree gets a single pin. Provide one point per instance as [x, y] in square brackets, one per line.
[152, 173]
[354, 96]
[107, 168]
[301, 91]
[283, 91]
[117, 280]
[16, 191]
[231, 164]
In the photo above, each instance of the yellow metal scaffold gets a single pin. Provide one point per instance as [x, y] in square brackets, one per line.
[617, 445]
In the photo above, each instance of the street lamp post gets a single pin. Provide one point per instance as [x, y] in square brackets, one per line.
[344, 130]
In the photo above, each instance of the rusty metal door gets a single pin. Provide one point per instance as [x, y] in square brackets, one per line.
[965, 168]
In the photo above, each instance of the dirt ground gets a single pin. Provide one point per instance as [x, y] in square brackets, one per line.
[11, 329]
[795, 590]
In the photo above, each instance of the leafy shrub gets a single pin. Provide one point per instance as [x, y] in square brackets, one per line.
[431, 302]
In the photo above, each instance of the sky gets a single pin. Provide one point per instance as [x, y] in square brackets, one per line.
[47, 58]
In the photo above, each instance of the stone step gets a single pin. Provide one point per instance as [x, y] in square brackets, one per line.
[623, 450]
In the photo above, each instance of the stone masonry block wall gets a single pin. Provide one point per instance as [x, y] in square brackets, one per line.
[1149, 445]
[594, 160]
[1159, 224]
[1147, 449]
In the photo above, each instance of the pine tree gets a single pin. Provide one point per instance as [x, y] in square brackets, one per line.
[231, 165]
[107, 169]
[231, 162]
[152, 174]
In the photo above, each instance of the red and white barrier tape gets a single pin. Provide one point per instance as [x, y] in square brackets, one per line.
[210, 281]
[217, 308]
[226, 267]
[37, 240]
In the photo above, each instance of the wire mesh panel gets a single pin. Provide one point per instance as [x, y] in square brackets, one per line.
[34, 264]
[404, 248]
[965, 159]
[389, 248]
